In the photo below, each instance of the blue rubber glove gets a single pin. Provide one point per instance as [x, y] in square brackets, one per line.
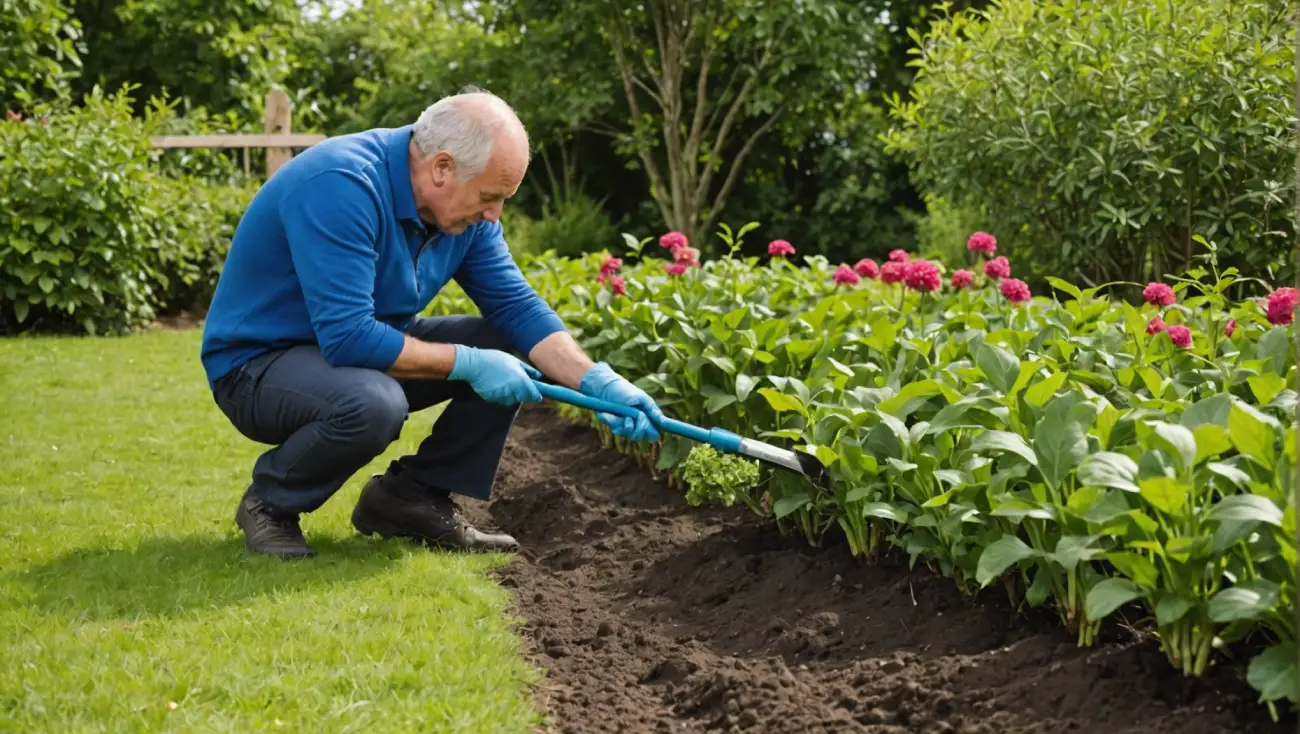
[603, 383]
[496, 376]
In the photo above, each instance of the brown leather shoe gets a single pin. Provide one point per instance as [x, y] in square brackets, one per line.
[384, 509]
[267, 532]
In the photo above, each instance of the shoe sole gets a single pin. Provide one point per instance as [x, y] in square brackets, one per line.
[383, 529]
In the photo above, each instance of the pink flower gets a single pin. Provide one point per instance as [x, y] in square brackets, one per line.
[1016, 291]
[687, 256]
[922, 276]
[1156, 325]
[673, 240]
[898, 256]
[1181, 335]
[14, 116]
[611, 265]
[962, 278]
[1281, 305]
[1159, 294]
[618, 285]
[675, 269]
[844, 275]
[779, 248]
[997, 268]
[1231, 327]
[892, 272]
[867, 268]
[982, 242]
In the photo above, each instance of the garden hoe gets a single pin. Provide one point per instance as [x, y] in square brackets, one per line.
[800, 462]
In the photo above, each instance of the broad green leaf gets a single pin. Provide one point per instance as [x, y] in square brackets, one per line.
[1061, 438]
[1071, 549]
[1245, 601]
[1265, 387]
[1165, 494]
[1109, 469]
[744, 386]
[1109, 595]
[1065, 286]
[999, 556]
[1273, 673]
[998, 365]
[1229, 472]
[1246, 507]
[1213, 409]
[1137, 567]
[1274, 347]
[781, 402]
[1177, 441]
[883, 510]
[1105, 424]
[1211, 440]
[1171, 608]
[1252, 433]
[1004, 441]
[790, 505]
[1019, 508]
[718, 402]
[1041, 588]
[1039, 393]
[912, 396]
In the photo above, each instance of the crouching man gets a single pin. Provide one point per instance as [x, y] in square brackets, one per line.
[313, 343]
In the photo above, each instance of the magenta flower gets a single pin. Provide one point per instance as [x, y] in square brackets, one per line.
[1159, 294]
[982, 242]
[1181, 335]
[867, 268]
[1016, 291]
[611, 265]
[997, 268]
[962, 279]
[844, 275]
[675, 269]
[898, 256]
[1281, 305]
[1156, 325]
[688, 256]
[922, 276]
[618, 285]
[673, 240]
[779, 248]
[1231, 327]
[892, 272]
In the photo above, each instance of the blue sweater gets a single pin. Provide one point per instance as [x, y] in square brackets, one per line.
[331, 251]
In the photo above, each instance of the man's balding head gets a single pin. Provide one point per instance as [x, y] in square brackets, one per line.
[469, 153]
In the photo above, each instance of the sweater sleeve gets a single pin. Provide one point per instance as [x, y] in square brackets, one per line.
[489, 276]
[332, 225]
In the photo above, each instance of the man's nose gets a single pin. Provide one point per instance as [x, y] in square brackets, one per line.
[492, 213]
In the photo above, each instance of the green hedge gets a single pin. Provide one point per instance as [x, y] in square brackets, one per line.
[92, 235]
[1103, 136]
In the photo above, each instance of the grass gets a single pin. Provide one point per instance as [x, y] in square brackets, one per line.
[128, 601]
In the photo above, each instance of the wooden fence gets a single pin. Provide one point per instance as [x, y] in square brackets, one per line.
[276, 137]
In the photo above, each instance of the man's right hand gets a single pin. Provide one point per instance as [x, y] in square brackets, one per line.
[496, 376]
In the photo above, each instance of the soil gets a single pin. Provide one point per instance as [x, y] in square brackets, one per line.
[653, 616]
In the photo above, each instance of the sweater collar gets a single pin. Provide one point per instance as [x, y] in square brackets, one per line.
[399, 174]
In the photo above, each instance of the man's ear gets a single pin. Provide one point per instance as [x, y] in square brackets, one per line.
[442, 169]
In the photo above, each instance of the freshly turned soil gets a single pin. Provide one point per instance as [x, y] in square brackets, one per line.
[653, 616]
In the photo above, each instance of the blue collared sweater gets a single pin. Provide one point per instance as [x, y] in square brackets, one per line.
[331, 251]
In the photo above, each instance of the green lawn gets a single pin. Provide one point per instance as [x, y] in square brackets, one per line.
[128, 602]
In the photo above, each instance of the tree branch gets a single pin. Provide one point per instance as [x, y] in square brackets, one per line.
[737, 164]
[701, 96]
[651, 169]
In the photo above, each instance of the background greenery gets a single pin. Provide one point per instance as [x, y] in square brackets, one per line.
[1095, 140]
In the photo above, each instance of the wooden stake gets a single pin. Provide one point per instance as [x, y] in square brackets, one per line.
[277, 121]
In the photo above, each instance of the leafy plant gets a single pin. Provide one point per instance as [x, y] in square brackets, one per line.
[717, 477]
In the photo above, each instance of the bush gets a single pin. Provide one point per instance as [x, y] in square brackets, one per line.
[40, 51]
[1103, 136]
[91, 235]
[571, 226]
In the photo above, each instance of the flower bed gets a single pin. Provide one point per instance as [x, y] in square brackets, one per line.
[1083, 452]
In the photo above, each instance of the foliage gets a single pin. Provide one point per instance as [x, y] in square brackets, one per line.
[716, 477]
[40, 50]
[1068, 449]
[1102, 136]
[93, 234]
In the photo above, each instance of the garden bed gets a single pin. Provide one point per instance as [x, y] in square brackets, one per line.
[651, 615]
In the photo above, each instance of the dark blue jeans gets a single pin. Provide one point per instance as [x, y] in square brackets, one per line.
[325, 423]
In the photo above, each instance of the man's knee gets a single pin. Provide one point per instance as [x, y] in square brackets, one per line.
[373, 412]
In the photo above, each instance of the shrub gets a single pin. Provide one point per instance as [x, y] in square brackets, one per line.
[40, 50]
[91, 234]
[1103, 136]
[571, 226]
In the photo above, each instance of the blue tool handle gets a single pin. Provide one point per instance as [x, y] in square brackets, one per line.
[716, 437]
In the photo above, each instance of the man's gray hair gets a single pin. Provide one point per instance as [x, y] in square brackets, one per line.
[464, 130]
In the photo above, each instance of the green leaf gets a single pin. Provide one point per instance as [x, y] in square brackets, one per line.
[1165, 494]
[781, 402]
[744, 386]
[718, 402]
[999, 556]
[1177, 441]
[1065, 286]
[883, 510]
[1039, 393]
[1273, 673]
[1213, 409]
[1071, 549]
[1246, 507]
[1252, 433]
[21, 307]
[1137, 567]
[998, 365]
[1171, 608]
[1248, 600]
[1004, 441]
[789, 505]
[1211, 440]
[1109, 595]
[1266, 387]
[1061, 438]
[1109, 469]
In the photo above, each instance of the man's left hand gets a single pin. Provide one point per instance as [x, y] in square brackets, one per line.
[603, 383]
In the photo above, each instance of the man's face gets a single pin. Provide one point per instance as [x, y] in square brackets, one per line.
[453, 204]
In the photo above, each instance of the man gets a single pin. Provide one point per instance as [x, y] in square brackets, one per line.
[313, 343]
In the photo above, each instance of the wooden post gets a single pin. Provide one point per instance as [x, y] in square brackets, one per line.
[276, 121]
